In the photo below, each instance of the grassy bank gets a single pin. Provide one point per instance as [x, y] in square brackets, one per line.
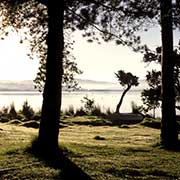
[103, 151]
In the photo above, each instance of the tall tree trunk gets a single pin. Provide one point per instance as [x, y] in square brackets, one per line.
[121, 100]
[50, 117]
[169, 133]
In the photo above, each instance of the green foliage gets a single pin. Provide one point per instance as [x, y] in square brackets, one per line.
[4, 111]
[89, 104]
[153, 79]
[150, 122]
[9, 113]
[90, 108]
[127, 78]
[12, 112]
[80, 112]
[31, 124]
[108, 111]
[151, 97]
[27, 110]
[96, 111]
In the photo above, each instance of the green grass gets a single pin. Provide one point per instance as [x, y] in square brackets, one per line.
[117, 153]
[15, 162]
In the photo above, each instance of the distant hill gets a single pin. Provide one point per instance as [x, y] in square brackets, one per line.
[102, 85]
[90, 85]
[26, 85]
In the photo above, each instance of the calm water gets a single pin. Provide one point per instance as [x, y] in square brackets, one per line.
[106, 99]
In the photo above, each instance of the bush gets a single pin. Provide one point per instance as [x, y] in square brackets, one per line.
[37, 115]
[4, 111]
[108, 111]
[89, 104]
[4, 119]
[31, 124]
[80, 112]
[20, 116]
[27, 111]
[96, 111]
[150, 122]
[4, 115]
[12, 112]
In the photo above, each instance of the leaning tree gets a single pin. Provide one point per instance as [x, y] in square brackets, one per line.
[126, 80]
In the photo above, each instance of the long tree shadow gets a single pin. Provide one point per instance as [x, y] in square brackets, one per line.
[69, 170]
[58, 160]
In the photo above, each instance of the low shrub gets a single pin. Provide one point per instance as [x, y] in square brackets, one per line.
[20, 116]
[108, 111]
[31, 124]
[12, 112]
[89, 104]
[80, 112]
[150, 122]
[96, 111]
[4, 111]
[37, 117]
[4, 119]
[27, 110]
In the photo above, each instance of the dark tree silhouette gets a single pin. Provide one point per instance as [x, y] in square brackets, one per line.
[49, 125]
[151, 95]
[126, 80]
[169, 133]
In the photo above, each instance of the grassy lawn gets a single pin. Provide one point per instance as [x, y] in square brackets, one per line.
[103, 152]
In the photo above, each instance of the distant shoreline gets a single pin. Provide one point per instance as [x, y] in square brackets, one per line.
[18, 91]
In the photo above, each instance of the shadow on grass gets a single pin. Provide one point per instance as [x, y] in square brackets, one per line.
[132, 173]
[58, 160]
[168, 147]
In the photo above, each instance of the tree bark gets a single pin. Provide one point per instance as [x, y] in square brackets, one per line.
[121, 100]
[169, 133]
[50, 117]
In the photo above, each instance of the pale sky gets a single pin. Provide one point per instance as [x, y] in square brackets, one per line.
[99, 62]
[14, 62]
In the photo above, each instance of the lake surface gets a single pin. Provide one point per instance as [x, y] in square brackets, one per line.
[105, 99]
